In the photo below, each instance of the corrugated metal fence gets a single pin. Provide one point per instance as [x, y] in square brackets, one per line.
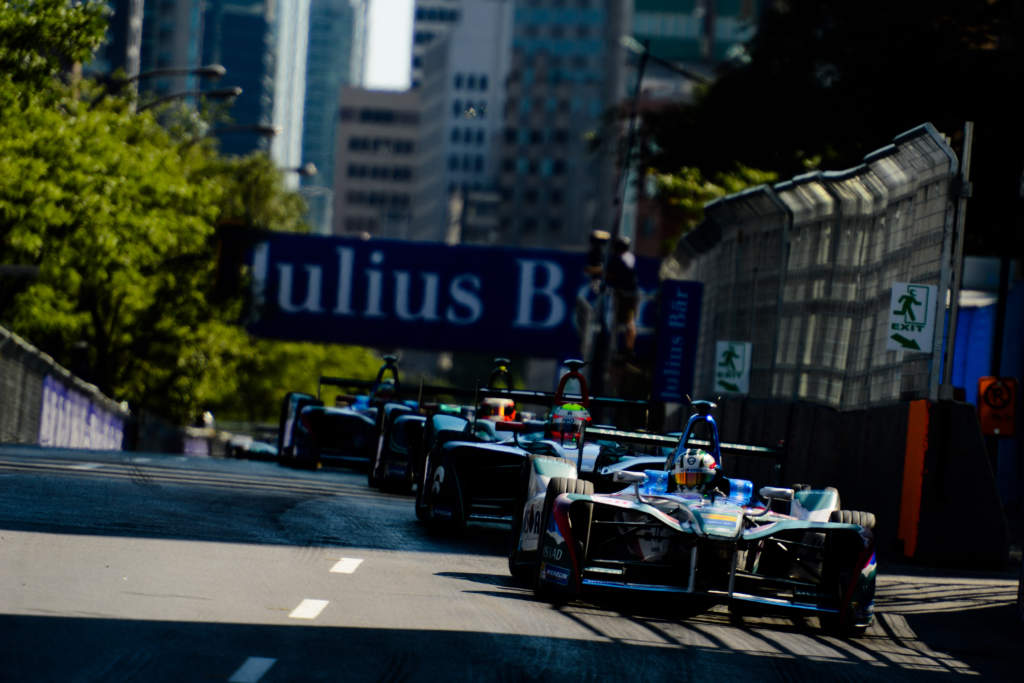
[803, 269]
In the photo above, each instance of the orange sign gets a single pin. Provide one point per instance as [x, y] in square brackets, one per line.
[997, 403]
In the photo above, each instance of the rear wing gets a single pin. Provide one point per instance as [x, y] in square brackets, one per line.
[667, 440]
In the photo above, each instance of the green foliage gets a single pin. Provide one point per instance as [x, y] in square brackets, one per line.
[688, 191]
[42, 39]
[119, 211]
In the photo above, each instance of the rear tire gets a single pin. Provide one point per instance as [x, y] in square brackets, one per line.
[858, 517]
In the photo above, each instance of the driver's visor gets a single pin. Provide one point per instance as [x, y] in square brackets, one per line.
[689, 479]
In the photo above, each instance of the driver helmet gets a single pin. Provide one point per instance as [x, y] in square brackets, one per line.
[564, 423]
[693, 469]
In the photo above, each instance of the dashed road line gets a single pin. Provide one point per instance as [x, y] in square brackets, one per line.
[308, 609]
[346, 565]
[252, 670]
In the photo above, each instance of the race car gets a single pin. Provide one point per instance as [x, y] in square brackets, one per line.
[400, 430]
[403, 428]
[311, 433]
[477, 480]
[686, 529]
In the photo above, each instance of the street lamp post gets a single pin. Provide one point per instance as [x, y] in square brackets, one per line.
[213, 71]
[603, 344]
[218, 93]
[643, 51]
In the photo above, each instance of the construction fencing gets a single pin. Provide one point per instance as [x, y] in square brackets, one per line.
[804, 269]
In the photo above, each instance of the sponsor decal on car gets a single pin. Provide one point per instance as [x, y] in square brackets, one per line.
[559, 575]
[531, 521]
[438, 480]
[553, 553]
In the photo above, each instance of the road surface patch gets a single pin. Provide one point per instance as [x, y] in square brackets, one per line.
[346, 565]
[308, 609]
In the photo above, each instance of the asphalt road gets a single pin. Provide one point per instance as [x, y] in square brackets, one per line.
[132, 567]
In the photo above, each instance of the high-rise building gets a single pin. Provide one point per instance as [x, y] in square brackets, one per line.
[387, 179]
[336, 57]
[478, 60]
[695, 32]
[239, 35]
[123, 46]
[558, 156]
[432, 19]
[171, 39]
[291, 45]
[375, 163]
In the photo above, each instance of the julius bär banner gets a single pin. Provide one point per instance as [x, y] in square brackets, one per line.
[422, 295]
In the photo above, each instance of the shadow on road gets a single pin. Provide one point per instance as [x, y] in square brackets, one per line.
[94, 649]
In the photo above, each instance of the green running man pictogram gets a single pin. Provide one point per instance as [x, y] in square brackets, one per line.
[908, 301]
[729, 359]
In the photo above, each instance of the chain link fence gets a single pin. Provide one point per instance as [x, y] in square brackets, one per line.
[804, 269]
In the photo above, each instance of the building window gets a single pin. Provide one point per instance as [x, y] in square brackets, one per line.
[483, 82]
[458, 81]
[471, 82]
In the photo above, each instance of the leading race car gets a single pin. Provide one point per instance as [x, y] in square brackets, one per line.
[688, 530]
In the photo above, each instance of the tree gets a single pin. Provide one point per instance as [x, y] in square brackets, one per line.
[42, 39]
[118, 210]
[829, 81]
[687, 191]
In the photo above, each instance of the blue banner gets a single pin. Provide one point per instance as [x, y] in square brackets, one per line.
[678, 327]
[387, 293]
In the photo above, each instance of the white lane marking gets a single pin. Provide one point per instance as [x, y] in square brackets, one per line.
[346, 565]
[87, 466]
[308, 609]
[252, 670]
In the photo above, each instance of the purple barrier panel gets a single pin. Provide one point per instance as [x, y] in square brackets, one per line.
[69, 419]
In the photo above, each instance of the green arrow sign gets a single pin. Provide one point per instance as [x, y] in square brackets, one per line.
[904, 342]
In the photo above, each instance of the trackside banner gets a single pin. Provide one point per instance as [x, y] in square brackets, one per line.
[421, 295]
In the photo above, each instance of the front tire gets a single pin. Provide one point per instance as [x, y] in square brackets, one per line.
[556, 487]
